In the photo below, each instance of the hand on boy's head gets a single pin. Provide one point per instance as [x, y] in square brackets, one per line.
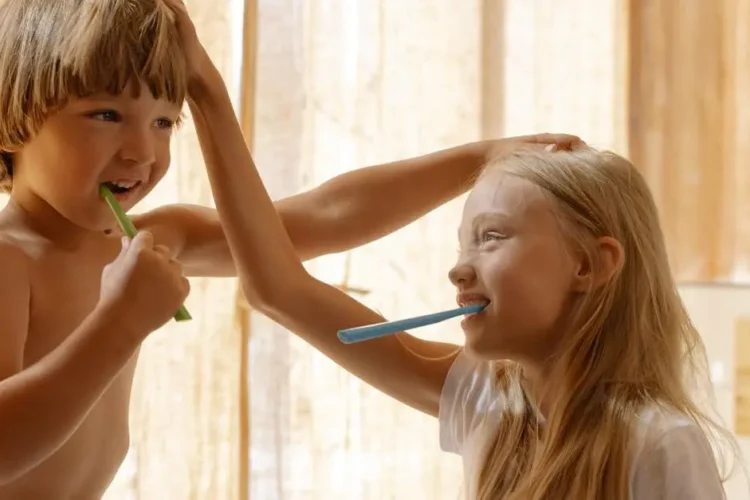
[143, 287]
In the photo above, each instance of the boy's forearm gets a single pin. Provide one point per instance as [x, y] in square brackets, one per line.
[366, 204]
[42, 406]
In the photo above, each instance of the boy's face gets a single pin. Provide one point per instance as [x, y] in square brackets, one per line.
[121, 140]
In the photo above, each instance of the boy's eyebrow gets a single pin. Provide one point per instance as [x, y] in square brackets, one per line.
[98, 97]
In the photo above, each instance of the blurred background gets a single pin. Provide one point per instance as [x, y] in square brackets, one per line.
[231, 406]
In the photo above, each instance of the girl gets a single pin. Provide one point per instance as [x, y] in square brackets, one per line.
[576, 381]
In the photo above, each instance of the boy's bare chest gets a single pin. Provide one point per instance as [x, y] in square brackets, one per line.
[64, 291]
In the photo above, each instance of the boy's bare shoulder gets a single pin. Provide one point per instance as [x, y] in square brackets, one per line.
[173, 224]
[14, 270]
[14, 245]
[15, 297]
[14, 258]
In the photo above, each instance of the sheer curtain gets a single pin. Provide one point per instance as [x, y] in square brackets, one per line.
[690, 124]
[342, 84]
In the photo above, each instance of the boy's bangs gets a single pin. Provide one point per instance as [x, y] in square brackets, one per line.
[118, 42]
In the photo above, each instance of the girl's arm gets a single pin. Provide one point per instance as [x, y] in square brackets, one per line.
[272, 276]
[275, 282]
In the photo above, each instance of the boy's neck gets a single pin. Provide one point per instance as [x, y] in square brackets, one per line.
[36, 215]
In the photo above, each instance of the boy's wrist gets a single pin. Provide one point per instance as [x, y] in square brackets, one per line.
[125, 332]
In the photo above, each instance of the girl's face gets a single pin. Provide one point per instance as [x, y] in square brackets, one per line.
[514, 256]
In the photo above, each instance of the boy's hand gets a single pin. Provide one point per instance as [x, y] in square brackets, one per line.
[199, 63]
[550, 142]
[143, 287]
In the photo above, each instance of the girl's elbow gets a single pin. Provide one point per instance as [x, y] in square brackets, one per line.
[266, 298]
[257, 297]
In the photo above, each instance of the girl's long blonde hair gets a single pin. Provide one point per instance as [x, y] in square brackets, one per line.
[632, 345]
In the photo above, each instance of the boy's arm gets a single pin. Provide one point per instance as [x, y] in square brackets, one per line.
[345, 212]
[42, 405]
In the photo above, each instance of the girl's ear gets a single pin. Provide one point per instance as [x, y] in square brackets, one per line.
[598, 267]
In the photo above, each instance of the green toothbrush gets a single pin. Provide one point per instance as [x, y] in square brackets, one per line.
[129, 229]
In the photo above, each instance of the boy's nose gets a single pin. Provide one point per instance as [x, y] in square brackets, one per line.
[138, 148]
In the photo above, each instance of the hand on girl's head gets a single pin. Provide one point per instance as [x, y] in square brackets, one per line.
[536, 142]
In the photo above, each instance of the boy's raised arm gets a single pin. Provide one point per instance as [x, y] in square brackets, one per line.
[345, 212]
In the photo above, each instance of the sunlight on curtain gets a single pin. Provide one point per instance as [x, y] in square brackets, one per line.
[342, 84]
[184, 413]
[690, 127]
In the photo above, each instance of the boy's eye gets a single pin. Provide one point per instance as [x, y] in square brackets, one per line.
[165, 123]
[107, 115]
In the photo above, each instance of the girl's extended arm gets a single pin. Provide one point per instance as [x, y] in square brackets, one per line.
[275, 281]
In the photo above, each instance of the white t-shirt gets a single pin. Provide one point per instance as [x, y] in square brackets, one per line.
[672, 458]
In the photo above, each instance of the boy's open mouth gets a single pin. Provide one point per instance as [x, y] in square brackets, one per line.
[121, 187]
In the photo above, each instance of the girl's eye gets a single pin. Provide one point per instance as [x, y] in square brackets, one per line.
[490, 236]
[107, 115]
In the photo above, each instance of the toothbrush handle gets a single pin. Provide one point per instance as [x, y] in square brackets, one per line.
[368, 332]
[128, 228]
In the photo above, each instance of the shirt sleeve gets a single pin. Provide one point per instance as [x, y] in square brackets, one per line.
[469, 393]
[679, 466]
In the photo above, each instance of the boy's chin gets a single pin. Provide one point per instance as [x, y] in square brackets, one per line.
[101, 222]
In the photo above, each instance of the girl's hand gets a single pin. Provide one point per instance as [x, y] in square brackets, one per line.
[199, 64]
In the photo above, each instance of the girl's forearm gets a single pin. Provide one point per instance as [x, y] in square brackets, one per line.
[264, 270]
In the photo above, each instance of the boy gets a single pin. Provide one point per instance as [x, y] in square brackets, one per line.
[91, 92]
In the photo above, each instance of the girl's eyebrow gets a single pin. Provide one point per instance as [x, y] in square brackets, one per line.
[483, 218]
[487, 217]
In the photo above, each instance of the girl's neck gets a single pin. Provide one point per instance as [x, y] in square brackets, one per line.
[540, 386]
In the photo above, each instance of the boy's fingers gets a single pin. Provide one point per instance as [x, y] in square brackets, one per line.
[143, 240]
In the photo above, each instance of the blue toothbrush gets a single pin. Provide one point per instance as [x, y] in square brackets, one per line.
[360, 333]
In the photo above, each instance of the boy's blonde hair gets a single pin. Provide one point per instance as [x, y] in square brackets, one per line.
[55, 50]
[632, 347]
